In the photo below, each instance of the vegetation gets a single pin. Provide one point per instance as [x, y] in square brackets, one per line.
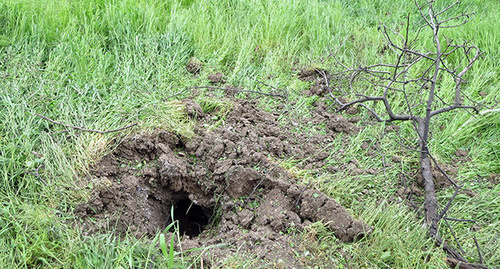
[106, 64]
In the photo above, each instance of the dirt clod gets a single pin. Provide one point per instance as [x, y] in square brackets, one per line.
[193, 109]
[217, 78]
[194, 66]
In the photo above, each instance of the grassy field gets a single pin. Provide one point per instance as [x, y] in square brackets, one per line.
[106, 64]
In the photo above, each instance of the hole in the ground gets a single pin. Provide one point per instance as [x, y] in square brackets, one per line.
[192, 218]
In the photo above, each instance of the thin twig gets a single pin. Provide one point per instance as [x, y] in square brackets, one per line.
[84, 129]
[174, 95]
[285, 96]
[275, 88]
[462, 220]
[453, 253]
[478, 251]
[379, 119]
[455, 237]
[457, 188]
[442, 171]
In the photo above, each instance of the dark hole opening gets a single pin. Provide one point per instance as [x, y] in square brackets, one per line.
[192, 218]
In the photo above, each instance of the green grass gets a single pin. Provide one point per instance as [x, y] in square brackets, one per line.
[106, 64]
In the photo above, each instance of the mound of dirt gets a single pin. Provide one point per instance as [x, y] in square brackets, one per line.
[223, 186]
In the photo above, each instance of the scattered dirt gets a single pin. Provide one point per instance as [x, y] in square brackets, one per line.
[225, 185]
[468, 192]
[413, 190]
[440, 180]
[320, 86]
[462, 156]
[193, 109]
[494, 179]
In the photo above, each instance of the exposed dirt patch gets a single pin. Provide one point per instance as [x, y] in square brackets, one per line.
[194, 66]
[225, 186]
[462, 156]
[217, 78]
[494, 179]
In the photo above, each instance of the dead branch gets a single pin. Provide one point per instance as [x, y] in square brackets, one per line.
[84, 129]
[379, 119]
[457, 188]
[455, 263]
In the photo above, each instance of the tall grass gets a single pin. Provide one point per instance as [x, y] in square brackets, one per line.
[105, 64]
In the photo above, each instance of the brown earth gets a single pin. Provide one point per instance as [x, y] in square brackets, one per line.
[217, 78]
[194, 66]
[319, 77]
[224, 186]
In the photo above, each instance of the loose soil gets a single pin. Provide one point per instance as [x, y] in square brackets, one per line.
[224, 186]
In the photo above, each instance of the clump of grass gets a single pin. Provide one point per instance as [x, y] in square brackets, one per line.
[399, 240]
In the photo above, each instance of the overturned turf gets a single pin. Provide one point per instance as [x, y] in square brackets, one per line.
[223, 186]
